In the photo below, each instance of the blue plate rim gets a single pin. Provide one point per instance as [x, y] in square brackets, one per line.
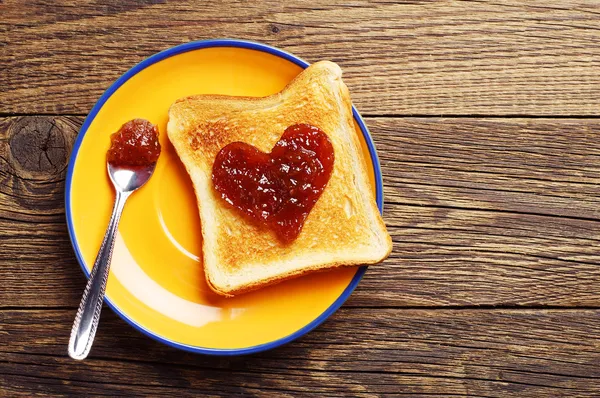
[179, 49]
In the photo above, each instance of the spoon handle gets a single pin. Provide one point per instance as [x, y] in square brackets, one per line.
[88, 314]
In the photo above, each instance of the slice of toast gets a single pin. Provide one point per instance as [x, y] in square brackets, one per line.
[343, 228]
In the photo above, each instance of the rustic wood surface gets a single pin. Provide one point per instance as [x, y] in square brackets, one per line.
[358, 352]
[486, 116]
[434, 58]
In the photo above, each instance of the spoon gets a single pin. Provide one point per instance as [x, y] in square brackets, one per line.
[126, 180]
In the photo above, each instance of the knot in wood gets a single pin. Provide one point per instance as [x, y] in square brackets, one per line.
[39, 145]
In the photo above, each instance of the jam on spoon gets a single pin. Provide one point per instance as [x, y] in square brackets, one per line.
[135, 144]
[277, 189]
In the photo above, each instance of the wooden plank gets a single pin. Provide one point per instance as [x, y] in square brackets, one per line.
[537, 166]
[482, 212]
[358, 352]
[428, 58]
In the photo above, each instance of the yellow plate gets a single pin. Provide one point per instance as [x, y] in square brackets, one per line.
[156, 281]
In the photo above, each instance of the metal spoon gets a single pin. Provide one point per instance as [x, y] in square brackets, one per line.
[125, 181]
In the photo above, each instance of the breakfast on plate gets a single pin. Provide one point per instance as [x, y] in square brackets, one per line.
[281, 182]
[281, 187]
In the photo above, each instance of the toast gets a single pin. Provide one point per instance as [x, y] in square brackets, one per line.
[344, 227]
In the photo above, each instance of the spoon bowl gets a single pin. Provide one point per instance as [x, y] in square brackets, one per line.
[131, 178]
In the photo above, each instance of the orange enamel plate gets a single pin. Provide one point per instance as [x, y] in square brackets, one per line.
[156, 281]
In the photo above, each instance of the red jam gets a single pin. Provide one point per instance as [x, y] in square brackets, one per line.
[134, 145]
[278, 189]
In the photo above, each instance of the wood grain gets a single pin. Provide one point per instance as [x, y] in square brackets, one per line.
[358, 352]
[414, 58]
[482, 212]
[493, 288]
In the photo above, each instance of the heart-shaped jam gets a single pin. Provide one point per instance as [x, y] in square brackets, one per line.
[280, 188]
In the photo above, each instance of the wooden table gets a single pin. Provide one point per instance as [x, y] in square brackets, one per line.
[486, 119]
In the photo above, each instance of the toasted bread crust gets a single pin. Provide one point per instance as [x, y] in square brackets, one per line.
[344, 228]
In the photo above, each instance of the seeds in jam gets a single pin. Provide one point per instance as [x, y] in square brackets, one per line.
[278, 189]
[134, 145]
